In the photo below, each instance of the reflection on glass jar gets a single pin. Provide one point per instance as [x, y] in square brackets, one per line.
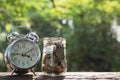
[54, 55]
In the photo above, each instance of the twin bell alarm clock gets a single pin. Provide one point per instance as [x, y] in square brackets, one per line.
[22, 53]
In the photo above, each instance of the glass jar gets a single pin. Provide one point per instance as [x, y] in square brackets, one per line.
[54, 55]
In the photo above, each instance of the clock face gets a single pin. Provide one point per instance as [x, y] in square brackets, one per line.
[24, 53]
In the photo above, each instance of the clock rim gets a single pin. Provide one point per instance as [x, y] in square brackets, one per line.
[32, 42]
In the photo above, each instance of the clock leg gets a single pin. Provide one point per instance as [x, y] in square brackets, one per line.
[33, 72]
[13, 71]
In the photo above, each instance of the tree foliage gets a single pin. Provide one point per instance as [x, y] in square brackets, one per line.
[86, 24]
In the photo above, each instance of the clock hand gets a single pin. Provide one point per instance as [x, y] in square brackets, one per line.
[25, 54]
[29, 57]
[16, 53]
[28, 51]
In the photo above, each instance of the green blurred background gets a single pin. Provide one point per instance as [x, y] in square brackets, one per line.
[91, 28]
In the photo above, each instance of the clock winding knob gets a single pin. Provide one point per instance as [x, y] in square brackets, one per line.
[33, 36]
[12, 36]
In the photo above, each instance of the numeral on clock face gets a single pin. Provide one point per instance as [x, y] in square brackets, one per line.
[23, 63]
[23, 45]
[15, 59]
[18, 62]
[28, 62]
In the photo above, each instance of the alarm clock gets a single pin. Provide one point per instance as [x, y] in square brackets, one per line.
[23, 53]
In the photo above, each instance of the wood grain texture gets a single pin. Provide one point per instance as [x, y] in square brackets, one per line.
[65, 76]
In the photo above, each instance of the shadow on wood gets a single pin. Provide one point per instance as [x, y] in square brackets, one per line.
[17, 77]
[45, 77]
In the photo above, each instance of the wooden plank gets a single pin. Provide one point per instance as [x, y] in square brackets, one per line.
[65, 76]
